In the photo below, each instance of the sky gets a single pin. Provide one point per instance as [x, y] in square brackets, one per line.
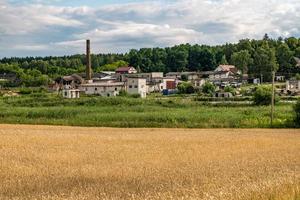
[60, 27]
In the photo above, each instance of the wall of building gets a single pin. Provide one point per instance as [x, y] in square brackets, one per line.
[137, 86]
[109, 90]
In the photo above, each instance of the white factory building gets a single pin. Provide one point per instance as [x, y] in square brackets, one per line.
[137, 86]
[107, 89]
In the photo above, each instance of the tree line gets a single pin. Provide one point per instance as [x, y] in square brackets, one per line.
[254, 57]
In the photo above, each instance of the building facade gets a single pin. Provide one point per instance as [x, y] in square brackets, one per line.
[107, 89]
[137, 86]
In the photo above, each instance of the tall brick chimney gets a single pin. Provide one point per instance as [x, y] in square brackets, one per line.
[88, 61]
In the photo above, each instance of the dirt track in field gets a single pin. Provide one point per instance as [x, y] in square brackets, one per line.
[52, 162]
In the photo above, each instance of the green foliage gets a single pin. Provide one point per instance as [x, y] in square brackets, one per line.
[185, 88]
[265, 61]
[123, 93]
[263, 96]
[229, 89]
[113, 66]
[184, 77]
[242, 60]
[131, 112]
[25, 90]
[297, 77]
[136, 96]
[297, 113]
[208, 88]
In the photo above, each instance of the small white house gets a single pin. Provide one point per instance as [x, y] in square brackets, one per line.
[293, 85]
[198, 82]
[71, 93]
[108, 89]
[221, 75]
[137, 86]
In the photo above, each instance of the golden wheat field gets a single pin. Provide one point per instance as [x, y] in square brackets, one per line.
[44, 162]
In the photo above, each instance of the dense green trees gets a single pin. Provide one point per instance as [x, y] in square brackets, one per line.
[242, 60]
[255, 57]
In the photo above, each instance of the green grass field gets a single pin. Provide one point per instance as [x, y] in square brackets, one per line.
[130, 112]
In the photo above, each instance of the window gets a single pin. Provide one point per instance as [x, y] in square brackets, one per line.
[116, 89]
[66, 94]
[135, 86]
[96, 89]
[130, 86]
[162, 87]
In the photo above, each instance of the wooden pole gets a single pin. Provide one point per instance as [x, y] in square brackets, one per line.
[273, 98]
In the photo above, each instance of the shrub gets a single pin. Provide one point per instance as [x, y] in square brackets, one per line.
[184, 77]
[136, 96]
[229, 89]
[123, 93]
[26, 91]
[263, 96]
[185, 88]
[297, 112]
[208, 88]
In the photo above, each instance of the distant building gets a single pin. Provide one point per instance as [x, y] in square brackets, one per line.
[190, 76]
[71, 93]
[126, 70]
[136, 85]
[297, 61]
[222, 76]
[226, 68]
[279, 78]
[293, 85]
[199, 82]
[70, 82]
[108, 89]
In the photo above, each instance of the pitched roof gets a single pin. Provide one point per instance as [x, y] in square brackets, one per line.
[123, 69]
[227, 67]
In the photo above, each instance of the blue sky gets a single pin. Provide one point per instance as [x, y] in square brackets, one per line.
[60, 27]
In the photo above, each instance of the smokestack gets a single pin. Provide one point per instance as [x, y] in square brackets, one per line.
[88, 61]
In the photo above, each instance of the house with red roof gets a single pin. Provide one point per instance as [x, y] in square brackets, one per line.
[224, 73]
[227, 68]
[126, 70]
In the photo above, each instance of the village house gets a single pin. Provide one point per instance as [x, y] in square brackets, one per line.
[224, 73]
[293, 85]
[70, 93]
[198, 83]
[68, 82]
[126, 70]
[190, 76]
[136, 85]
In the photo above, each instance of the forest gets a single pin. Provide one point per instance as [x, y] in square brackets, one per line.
[257, 58]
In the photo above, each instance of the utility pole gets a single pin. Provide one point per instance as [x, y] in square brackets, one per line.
[273, 97]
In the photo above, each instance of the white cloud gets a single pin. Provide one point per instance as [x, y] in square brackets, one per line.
[117, 28]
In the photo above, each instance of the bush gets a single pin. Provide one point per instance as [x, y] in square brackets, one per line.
[263, 96]
[297, 112]
[136, 96]
[26, 91]
[208, 88]
[185, 88]
[229, 89]
[123, 93]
